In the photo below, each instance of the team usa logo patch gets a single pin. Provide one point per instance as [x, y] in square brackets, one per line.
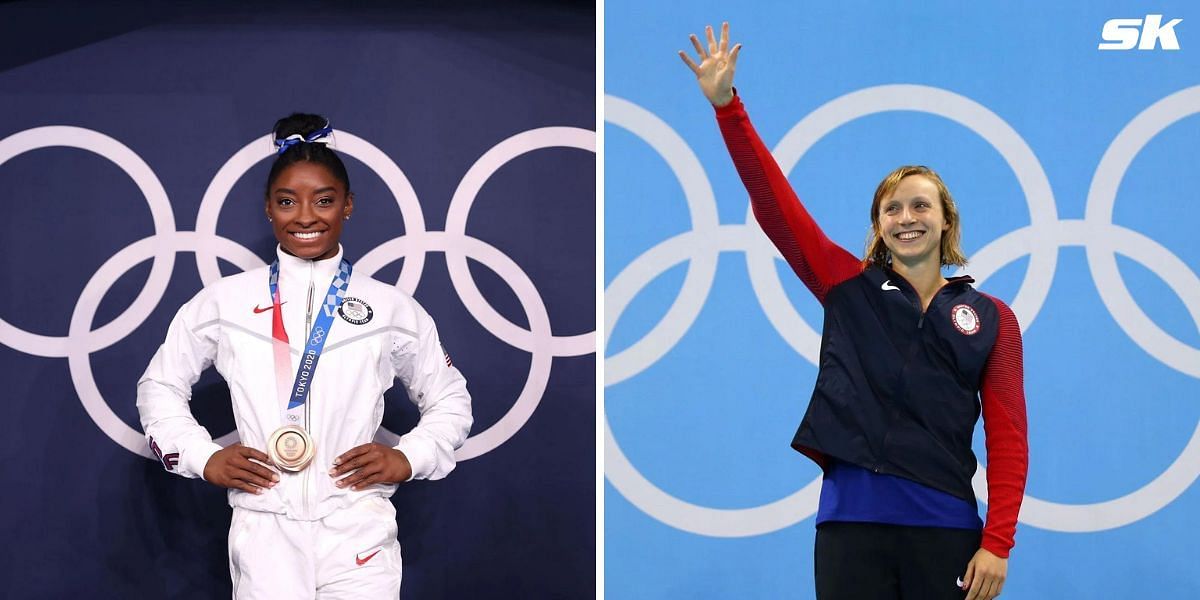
[965, 319]
[355, 311]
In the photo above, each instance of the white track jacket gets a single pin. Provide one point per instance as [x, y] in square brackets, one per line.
[228, 325]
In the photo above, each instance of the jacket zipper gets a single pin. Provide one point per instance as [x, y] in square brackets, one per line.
[307, 405]
[916, 304]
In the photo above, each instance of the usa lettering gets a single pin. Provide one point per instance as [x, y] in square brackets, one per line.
[1147, 34]
[169, 461]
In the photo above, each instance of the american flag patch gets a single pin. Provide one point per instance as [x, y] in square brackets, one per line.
[447, 355]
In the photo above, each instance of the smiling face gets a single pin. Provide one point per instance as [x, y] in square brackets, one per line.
[307, 205]
[911, 221]
[913, 201]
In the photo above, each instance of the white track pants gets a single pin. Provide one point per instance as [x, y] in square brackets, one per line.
[352, 553]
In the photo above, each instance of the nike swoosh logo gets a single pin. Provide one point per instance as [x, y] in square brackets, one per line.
[887, 285]
[362, 561]
[263, 310]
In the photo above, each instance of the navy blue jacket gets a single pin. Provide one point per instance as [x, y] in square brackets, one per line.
[898, 389]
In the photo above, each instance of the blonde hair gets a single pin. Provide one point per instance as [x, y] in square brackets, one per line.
[950, 250]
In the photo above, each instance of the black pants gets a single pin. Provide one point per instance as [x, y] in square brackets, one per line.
[871, 561]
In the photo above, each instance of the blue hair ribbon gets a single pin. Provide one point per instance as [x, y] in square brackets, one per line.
[292, 140]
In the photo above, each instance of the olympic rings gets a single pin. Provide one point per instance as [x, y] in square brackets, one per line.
[81, 341]
[1041, 240]
[456, 223]
[702, 207]
[935, 101]
[164, 221]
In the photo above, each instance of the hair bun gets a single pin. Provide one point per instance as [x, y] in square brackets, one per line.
[299, 123]
[302, 137]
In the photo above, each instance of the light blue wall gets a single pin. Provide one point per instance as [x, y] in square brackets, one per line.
[703, 496]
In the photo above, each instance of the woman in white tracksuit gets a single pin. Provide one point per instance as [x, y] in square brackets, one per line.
[308, 487]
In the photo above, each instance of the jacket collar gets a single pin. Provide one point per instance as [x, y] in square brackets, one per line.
[888, 273]
[296, 269]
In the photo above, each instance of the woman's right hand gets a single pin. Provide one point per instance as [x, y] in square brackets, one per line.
[715, 71]
[232, 468]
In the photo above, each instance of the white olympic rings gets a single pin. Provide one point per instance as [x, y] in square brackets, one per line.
[81, 340]
[1041, 240]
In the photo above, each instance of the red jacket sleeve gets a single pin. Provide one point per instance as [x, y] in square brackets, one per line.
[820, 263]
[1006, 438]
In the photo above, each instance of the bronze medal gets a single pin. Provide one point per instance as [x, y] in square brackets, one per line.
[290, 448]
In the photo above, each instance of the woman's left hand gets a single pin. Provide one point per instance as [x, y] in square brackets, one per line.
[985, 575]
[369, 464]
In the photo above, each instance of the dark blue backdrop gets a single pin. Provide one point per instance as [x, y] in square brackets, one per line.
[432, 89]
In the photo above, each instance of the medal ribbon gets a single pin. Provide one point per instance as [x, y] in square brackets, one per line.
[281, 347]
[297, 395]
